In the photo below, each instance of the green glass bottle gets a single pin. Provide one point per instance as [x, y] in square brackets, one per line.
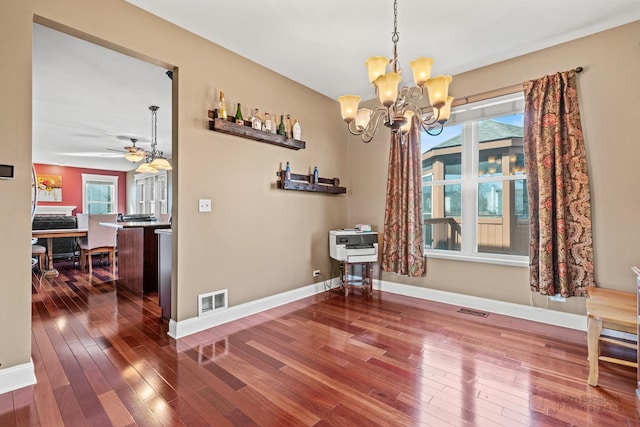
[281, 130]
[238, 116]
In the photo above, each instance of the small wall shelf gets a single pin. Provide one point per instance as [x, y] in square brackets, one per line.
[225, 126]
[305, 183]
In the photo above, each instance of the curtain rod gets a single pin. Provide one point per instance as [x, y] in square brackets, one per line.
[495, 93]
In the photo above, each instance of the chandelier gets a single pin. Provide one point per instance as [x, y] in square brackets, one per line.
[154, 160]
[399, 106]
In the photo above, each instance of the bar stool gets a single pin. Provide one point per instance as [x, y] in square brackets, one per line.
[38, 252]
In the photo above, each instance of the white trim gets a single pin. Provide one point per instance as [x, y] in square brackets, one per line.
[183, 328]
[55, 210]
[16, 377]
[536, 314]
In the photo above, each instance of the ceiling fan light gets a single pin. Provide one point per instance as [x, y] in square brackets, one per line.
[161, 163]
[134, 157]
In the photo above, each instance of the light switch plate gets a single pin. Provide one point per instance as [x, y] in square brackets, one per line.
[204, 205]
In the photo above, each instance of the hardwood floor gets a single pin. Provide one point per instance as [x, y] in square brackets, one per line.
[102, 357]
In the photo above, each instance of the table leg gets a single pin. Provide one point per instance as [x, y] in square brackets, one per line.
[370, 278]
[50, 271]
[594, 329]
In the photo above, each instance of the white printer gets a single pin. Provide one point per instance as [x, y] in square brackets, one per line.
[353, 245]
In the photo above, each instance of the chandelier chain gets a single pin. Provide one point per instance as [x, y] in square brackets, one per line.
[154, 124]
[395, 37]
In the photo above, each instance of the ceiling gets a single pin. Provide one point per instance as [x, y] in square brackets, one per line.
[88, 100]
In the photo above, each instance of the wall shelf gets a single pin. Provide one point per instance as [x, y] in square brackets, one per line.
[301, 182]
[226, 126]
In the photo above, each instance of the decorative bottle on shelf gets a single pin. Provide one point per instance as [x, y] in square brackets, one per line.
[222, 106]
[281, 129]
[297, 130]
[266, 126]
[238, 115]
[256, 121]
[287, 172]
[274, 124]
[315, 174]
[288, 127]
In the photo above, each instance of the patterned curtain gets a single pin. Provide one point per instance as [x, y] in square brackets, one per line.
[561, 252]
[403, 241]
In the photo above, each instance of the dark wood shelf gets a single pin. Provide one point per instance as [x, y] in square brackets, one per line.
[226, 126]
[301, 182]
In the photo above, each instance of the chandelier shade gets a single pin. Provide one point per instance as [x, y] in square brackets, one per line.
[349, 106]
[387, 88]
[377, 66]
[401, 107]
[421, 69]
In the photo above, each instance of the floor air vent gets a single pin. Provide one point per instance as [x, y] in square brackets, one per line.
[208, 303]
[473, 312]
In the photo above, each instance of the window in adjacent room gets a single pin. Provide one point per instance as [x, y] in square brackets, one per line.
[99, 194]
[151, 193]
[474, 184]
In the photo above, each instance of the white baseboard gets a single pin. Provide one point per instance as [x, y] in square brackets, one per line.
[536, 314]
[183, 328]
[17, 377]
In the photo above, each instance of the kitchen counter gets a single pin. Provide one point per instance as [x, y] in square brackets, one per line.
[138, 254]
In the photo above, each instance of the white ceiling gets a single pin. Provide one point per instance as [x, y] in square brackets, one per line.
[85, 97]
[88, 100]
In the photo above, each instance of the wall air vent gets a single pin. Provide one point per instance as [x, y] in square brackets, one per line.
[209, 303]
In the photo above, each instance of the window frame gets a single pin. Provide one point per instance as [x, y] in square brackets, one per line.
[469, 182]
[152, 182]
[110, 180]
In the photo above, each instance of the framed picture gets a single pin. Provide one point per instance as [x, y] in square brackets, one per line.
[49, 188]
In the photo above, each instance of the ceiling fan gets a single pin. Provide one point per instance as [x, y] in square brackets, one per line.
[132, 153]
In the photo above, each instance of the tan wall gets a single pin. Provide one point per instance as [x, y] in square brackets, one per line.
[609, 92]
[258, 241]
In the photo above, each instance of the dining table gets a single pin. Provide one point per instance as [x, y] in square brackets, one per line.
[51, 234]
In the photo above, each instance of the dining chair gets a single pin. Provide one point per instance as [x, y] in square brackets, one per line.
[99, 240]
[38, 253]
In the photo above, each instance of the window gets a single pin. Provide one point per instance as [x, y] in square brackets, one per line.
[151, 193]
[474, 185]
[99, 194]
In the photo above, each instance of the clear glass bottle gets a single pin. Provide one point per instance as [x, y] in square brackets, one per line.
[297, 130]
[222, 106]
[238, 116]
[267, 125]
[256, 120]
[315, 174]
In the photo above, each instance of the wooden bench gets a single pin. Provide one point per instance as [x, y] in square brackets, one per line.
[609, 309]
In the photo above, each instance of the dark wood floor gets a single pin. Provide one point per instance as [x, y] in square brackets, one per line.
[102, 357]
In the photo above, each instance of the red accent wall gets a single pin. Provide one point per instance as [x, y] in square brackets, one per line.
[72, 185]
